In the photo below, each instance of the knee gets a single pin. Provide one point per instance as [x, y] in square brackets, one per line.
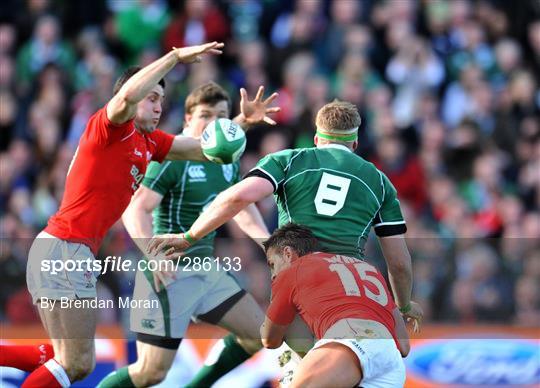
[80, 366]
[250, 345]
[150, 374]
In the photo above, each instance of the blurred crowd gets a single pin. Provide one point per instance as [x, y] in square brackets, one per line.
[447, 90]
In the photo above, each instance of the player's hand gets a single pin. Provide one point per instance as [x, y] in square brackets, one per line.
[414, 316]
[192, 54]
[169, 245]
[255, 111]
[164, 273]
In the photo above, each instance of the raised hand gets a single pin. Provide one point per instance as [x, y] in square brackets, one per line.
[256, 110]
[192, 54]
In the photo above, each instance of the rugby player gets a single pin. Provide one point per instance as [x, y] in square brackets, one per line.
[171, 197]
[329, 188]
[346, 304]
[110, 162]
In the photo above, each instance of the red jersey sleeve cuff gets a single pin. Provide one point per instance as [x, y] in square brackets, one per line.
[164, 142]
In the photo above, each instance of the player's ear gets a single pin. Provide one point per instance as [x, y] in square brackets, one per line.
[315, 139]
[187, 119]
[288, 254]
[355, 145]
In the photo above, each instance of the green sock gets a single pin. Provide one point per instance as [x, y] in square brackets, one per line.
[117, 379]
[231, 356]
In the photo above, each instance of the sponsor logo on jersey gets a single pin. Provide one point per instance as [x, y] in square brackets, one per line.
[137, 177]
[137, 152]
[477, 362]
[227, 172]
[196, 173]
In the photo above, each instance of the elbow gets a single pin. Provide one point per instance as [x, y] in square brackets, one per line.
[239, 200]
[405, 348]
[401, 267]
[126, 95]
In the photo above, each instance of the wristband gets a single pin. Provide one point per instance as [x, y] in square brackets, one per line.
[189, 239]
[406, 309]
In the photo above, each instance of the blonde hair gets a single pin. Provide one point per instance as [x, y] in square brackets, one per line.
[338, 117]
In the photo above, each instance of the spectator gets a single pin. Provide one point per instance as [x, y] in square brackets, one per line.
[447, 91]
[200, 21]
[46, 46]
[141, 24]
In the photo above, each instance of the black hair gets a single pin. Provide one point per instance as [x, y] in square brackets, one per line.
[127, 74]
[298, 237]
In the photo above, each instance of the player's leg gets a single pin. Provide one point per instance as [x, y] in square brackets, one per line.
[25, 357]
[72, 333]
[237, 312]
[244, 319]
[70, 328]
[159, 330]
[330, 365]
[155, 356]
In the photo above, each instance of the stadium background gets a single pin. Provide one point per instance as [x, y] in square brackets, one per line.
[448, 92]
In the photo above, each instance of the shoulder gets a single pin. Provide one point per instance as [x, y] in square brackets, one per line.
[158, 135]
[284, 154]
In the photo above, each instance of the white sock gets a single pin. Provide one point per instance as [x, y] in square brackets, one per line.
[58, 372]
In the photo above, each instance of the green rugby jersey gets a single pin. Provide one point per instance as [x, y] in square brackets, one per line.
[187, 187]
[334, 192]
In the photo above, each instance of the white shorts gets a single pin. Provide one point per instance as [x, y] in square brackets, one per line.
[381, 362]
[189, 296]
[72, 284]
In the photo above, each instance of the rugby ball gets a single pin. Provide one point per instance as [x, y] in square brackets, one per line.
[223, 141]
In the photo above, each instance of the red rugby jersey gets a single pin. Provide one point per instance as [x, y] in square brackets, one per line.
[325, 288]
[106, 169]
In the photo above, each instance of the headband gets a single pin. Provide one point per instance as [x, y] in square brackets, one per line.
[347, 135]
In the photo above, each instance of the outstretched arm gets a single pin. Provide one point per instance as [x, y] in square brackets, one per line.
[399, 265]
[226, 205]
[251, 222]
[123, 105]
[186, 148]
[138, 222]
[229, 203]
[251, 112]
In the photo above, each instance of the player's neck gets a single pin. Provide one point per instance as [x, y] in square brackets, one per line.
[334, 145]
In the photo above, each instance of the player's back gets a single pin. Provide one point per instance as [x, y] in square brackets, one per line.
[334, 191]
[329, 287]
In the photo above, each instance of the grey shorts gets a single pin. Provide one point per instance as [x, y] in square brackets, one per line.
[189, 296]
[74, 282]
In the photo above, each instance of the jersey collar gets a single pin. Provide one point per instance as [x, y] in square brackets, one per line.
[334, 145]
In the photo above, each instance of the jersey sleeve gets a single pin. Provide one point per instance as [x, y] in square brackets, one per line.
[162, 143]
[273, 167]
[102, 131]
[282, 309]
[389, 220]
[160, 177]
